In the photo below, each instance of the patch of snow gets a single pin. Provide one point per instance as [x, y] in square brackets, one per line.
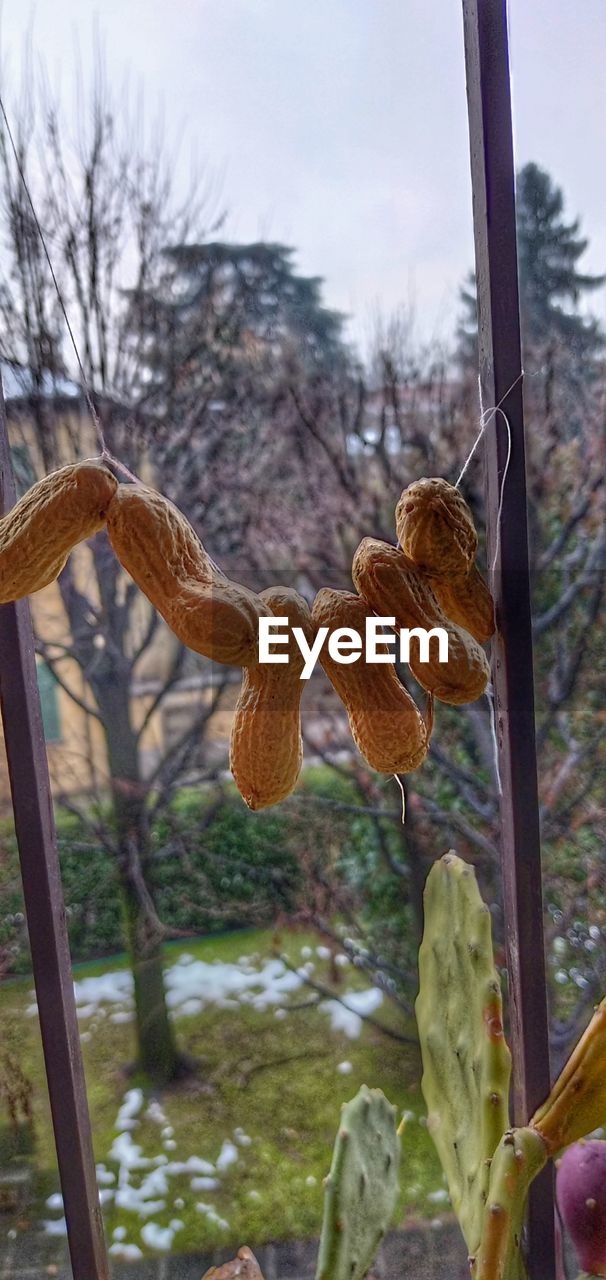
[127, 1154]
[105, 988]
[130, 1198]
[131, 1106]
[119, 1233]
[218, 982]
[86, 1010]
[155, 1237]
[204, 1184]
[344, 1068]
[127, 1252]
[192, 985]
[212, 1216]
[156, 1114]
[55, 1227]
[349, 1018]
[55, 1201]
[228, 1155]
[193, 1164]
[155, 1183]
[190, 1008]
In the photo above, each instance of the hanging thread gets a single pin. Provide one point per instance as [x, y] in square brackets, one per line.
[401, 786]
[105, 454]
[493, 734]
[486, 417]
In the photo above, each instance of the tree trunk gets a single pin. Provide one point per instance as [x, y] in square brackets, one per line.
[157, 1054]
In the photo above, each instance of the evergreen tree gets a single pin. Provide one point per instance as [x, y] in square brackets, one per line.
[552, 288]
[549, 249]
[224, 317]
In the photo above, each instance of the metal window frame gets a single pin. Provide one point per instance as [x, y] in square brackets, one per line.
[492, 170]
[45, 910]
[500, 359]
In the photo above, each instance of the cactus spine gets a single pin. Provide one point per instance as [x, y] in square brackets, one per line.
[466, 1062]
[361, 1188]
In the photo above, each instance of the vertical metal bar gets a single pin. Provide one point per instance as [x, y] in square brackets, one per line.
[34, 825]
[492, 170]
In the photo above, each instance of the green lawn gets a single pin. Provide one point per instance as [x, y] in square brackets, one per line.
[265, 1104]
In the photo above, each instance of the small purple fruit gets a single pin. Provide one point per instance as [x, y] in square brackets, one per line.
[581, 1193]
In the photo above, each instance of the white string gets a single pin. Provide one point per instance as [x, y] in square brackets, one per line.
[486, 420]
[497, 541]
[493, 734]
[399, 782]
[486, 417]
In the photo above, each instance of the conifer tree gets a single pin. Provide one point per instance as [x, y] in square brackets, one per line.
[556, 331]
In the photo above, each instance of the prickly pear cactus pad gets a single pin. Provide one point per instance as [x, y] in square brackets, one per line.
[466, 1061]
[361, 1188]
[520, 1155]
[577, 1103]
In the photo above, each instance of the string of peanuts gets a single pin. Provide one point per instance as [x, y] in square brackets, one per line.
[430, 580]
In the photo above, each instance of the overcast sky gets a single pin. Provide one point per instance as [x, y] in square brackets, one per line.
[339, 126]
